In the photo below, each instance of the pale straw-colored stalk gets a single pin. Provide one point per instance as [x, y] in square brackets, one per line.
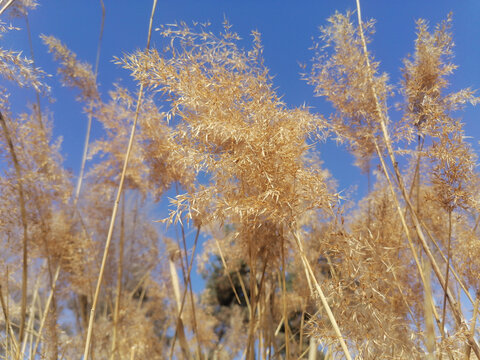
[179, 331]
[116, 310]
[252, 319]
[7, 4]
[8, 325]
[444, 308]
[302, 324]
[452, 270]
[188, 289]
[31, 319]
[428, 310]
[89, 123]
[188, 282]
[458, 316]
[408, 235]
[132, 352]
[323, 299]
[284, 300]
[115, 206]
[473, 323]
[244, 290]
[45, 312]
[37, 91]
[23, 212]
[227, 271]
[312, 349]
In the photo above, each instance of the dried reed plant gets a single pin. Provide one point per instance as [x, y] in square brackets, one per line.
[292, 270]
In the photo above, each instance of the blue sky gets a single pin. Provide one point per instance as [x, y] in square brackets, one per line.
[287, 29]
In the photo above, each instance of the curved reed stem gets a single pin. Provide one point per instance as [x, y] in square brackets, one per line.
[458, 316]
[23, 212]
[319, 290]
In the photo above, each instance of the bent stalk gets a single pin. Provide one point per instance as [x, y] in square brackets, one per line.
[458, 316]
[23, 212]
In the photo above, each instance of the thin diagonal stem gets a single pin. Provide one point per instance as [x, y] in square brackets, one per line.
[89, 124]
[6, 6]
[452, 269]
[37, 92]
[184, 295]
[323, 299]
[115, 206]
[8, 325]
[284, 300]
[227, 271]
[119, 280]
[45, 312]
[444, 309]
[472, 325]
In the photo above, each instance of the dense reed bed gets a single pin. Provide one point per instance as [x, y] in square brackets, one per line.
[294, 268]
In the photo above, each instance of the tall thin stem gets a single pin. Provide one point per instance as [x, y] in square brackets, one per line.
[188, 284]
[31, 317]
[37, 92]
[23, 212]
[444, 309]
[89, 124]
[6, 6]
[428, 309]
[457, 277]
[227, 272]
[323, 299]
[284, 298]
[187, 281]
[251, 329]
[115, 206]
[45, 312]
[8, 325]
[458, 316]
[119, 279]
[473, 322]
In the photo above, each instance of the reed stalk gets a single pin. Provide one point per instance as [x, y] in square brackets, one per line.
[284, 300]
[116, 310]
[452, 270]
[6, 6]
[115, 206]
[323, 299]
[187, 289]
[227, 271]
[23, 212]
[31, 319]
[8, 325]
[453, 303]
[473, 324]
[89, 116]
[447, 271]
[45, 312]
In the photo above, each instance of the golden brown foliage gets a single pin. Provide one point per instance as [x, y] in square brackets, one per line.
[285, 260]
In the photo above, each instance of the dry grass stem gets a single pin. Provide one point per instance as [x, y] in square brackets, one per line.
[89, 123]
[115, 206]
[45, 312]
[23, 211]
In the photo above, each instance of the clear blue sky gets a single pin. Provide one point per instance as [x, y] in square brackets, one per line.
[287, 28]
